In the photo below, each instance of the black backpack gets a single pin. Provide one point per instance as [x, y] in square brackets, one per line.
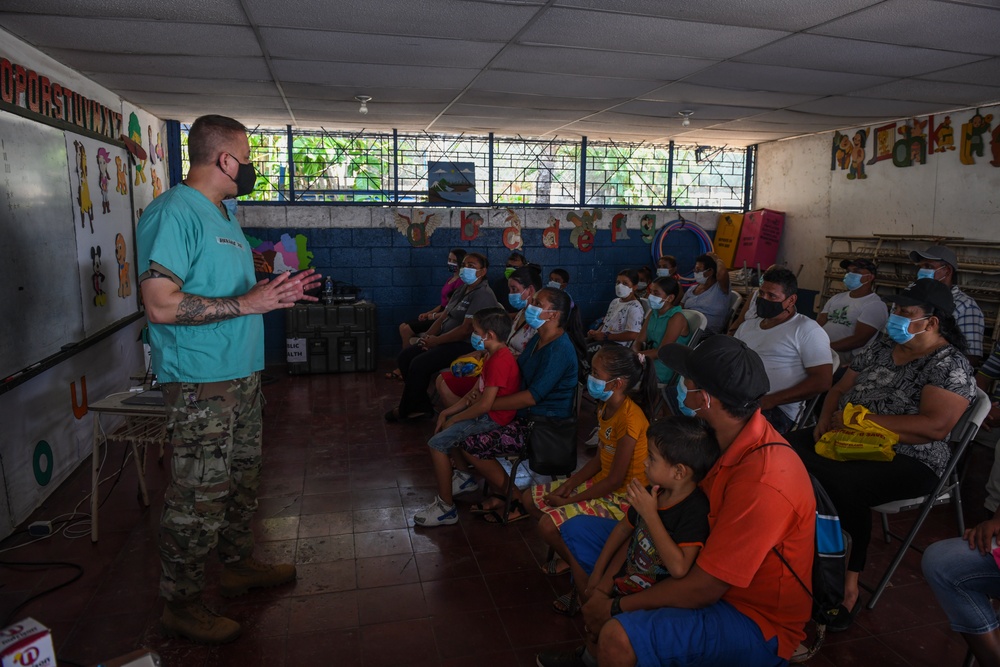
[830, 559]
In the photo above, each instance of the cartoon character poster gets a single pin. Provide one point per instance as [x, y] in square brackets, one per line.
[102, 224]
[148, 178]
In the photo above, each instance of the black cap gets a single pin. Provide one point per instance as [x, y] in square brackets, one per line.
[925, 292]
[938, 253]
[861, 263]
[721, 365]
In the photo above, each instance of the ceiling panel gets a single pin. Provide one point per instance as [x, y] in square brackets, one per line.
[565, 60]
[984, 72]
[926, 23]
[460, 19]
[362, 75]
[836, 54]
[208, 89]
[865, 107]
[938, 92]
[247, 68]
[500, 113]
[744, 76]
[689, 94]
[777, 14]
[670, 109]
[377, 49]
[226, 12]
[379, 95]
[571, 27]
[568, 86]
[541, 101]
[127, 37]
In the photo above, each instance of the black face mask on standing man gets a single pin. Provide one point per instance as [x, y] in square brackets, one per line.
[246, 176]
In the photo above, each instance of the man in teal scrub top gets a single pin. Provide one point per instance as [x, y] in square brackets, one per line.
[206, 335]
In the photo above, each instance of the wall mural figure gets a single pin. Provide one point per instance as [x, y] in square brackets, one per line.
[100, 297]
[157, 185]
[584, 230]
[841, 152]
[135, 134]
[152, 146]
[647, 225]
[419, 228]
[974, 137]
[471, 221]
[121, 254]
[550, 235]
[512, 233]
[122, 187]
[857, 170]
[83, 189]
[619, 227]
[944, 135]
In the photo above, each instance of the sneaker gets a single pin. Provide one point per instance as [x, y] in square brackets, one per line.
[572, 658]
[436, 514]
[595, 438]
[462, 482]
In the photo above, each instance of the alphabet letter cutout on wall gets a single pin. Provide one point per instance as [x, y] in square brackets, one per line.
[512, 234]
[79, 409]
[585, 229]
[647, 225]
[550, 235]
[619, 227]
[471, 222]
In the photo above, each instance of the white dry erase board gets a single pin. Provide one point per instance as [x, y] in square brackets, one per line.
[57, 290]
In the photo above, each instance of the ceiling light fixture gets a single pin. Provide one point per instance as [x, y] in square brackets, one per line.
[364, 99]
[687, 117]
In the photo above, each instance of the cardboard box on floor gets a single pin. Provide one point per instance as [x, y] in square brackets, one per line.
[26, 643]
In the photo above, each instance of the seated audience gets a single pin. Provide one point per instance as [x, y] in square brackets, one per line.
[748, 311]
[548, 366]
[963, 572]
[524, 283]
[447, 339]
[645, 277]
[666, 267]
[939, 262]
[852, 318]
[988, 378]
[499, 286]
[916, 382]
[711, 294]
[473, 414]
[739, 604]
[423, 321]
[664, 529]
[558, 279]
[663, 325]
[598, 488]
[794, 348]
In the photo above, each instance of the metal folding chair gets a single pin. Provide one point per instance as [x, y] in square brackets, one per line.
[947, 490]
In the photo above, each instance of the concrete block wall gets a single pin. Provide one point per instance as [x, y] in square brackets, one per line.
[362, 246]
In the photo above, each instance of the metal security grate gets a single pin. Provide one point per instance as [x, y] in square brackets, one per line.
[382, 167]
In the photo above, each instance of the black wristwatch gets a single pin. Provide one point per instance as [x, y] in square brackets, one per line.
[616, 606]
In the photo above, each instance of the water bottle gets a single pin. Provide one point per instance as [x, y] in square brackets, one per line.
[328, 290]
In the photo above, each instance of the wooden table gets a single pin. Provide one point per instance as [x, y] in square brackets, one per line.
[144, 425]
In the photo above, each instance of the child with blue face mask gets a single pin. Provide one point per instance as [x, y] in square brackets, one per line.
[599, 488]
[473, 414]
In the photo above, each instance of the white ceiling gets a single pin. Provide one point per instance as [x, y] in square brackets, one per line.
[750, 70]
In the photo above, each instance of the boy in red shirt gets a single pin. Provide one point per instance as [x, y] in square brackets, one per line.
[473, 414]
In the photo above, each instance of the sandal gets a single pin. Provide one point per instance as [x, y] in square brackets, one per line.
[496, 518]
[481, 508]
[394, 375]
[552, 569]
[567, 605]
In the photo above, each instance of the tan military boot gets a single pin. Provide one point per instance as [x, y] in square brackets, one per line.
[238, 578]
[195, 621]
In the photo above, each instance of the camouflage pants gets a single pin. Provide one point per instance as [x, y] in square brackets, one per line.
[215, 471]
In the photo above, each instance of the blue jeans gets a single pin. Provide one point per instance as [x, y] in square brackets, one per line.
[454, 435]
[963, 580]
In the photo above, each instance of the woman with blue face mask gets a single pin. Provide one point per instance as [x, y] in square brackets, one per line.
[916, 382]
[422, 323]
[663, 325]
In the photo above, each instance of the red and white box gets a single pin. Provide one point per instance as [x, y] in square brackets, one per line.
[26, 643]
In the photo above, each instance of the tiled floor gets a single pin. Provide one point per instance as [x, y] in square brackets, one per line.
[338, 491]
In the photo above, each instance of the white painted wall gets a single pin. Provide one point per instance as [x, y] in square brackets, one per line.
[942, 196]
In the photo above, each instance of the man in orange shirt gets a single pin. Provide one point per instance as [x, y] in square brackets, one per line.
[739, 604]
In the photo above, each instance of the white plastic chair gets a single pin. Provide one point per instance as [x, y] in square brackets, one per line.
[947, 490]
[735, 302]
[697, 323]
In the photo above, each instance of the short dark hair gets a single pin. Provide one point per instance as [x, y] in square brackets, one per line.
[209, 135]
[561, 303]
[685, 440]
[529, 275]
[670, 259]
[785, 278]
[644, 271]
[485, 263]
[494, 319]
[631, 274]
[459, 254]
[707, 262]
[670, 286]
[562, 273]
[518, 256]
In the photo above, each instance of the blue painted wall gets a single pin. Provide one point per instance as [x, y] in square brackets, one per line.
[402, 280]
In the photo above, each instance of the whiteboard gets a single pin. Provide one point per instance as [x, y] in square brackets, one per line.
[49, 226]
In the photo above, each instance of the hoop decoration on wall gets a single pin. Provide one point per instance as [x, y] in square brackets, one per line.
[619, 227]
[418, 226]
[512, 233]
[682, 226]
[550, 235]
[584, 229]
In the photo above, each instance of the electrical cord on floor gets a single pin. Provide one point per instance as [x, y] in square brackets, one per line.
[11, 617]
[126, 451]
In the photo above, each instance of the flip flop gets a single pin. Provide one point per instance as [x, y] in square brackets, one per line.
[480, 508]
[394, 375]
[496, 518]
[567, 605]
[551, 568]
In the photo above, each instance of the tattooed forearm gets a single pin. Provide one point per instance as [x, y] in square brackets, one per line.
[202, 310]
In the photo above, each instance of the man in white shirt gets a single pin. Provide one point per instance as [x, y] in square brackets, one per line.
[795, 350]
[854, 317]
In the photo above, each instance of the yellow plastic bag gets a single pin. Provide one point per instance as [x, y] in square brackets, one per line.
[860, 440]
[467, 366]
